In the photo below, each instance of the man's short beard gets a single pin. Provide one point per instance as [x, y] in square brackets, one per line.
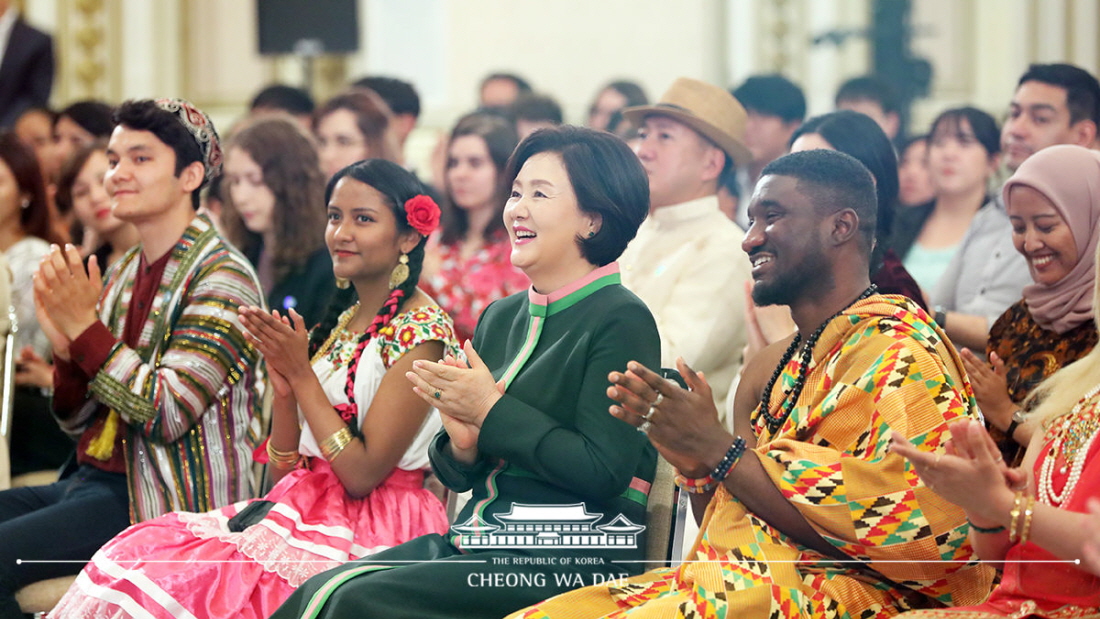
[792, 285]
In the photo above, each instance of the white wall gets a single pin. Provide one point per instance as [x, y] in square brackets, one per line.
[206, 49]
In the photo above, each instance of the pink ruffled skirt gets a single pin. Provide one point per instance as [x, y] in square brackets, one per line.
[190, 565]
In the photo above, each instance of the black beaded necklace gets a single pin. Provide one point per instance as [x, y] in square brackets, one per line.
[791, 396]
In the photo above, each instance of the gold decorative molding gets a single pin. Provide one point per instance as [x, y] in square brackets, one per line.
[82, 39]
[330, 75]
[780, 29]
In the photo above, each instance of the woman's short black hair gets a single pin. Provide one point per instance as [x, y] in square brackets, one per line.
[607, 179]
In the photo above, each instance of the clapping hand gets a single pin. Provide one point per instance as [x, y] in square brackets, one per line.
[66, 295]
[681, 423]
[990, 387]
[462, 392]
[284, 343]
[969, 473]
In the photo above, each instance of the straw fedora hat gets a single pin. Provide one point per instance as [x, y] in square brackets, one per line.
[708, 109]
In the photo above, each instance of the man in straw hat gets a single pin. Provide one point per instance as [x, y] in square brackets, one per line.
[153, 376]
[686, 262]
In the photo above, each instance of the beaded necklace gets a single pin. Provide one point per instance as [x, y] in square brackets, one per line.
[336, 333]
[791, 395]
[349, 411]
[1073, 440]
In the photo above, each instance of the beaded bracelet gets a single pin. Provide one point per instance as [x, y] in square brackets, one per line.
[710, 481]
[335, 443]
[996, 529]
[284, 460]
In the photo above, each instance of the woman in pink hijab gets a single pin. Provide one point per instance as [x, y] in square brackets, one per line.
[1053, 201]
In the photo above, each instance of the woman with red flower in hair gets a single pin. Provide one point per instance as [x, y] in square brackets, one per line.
[349, 438]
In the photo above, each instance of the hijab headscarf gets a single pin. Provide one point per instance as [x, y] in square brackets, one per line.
[1069, 176]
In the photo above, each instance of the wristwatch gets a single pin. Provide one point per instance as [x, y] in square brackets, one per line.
[1017, 419]
[940, 316]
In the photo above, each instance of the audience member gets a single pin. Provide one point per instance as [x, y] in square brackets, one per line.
[872, 96]
[26, 231]
[403, 100]
[686, 262]
[1032, 518]
[26, 75]
[468, 265]
[500, 90]
[914, 182]
[280, 98]
[540, 438]
[80, 190]
[857, 135]
[78, 125]
[776, 107]
[533, 112]
[273, 190]
[809, 514]
[1053, 203]
[35, 127]
[963, 153]
[335, 498]
[1053, 104]
[153, 374]
[353, 126]
[612, 98]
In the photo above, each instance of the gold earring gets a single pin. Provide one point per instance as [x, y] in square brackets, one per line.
[400, 272]
[342, 283]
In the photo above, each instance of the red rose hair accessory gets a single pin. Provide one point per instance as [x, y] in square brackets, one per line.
[422, 213]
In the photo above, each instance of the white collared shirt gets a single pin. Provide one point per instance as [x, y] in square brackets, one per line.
[687, 265]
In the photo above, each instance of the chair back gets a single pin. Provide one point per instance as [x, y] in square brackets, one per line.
[666, 518]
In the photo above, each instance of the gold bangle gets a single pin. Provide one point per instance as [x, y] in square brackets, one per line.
[284, 460]
[335, 443]
[1013, 533]
[1028, 511]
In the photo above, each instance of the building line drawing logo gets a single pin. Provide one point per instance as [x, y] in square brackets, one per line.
[541, 526]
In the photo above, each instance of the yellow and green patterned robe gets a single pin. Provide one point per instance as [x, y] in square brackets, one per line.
[880, 366]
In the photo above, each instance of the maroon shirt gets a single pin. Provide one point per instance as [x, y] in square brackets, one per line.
[892, 278]
[89, 352]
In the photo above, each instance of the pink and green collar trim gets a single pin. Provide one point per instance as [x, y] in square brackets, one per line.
[543, 306]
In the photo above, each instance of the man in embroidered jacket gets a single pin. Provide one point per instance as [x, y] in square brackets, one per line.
[153, 377]
[816, 518]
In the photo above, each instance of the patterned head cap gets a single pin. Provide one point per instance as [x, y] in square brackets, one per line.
[202, 128]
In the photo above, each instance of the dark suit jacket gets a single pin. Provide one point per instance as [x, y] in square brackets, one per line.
[26, 73]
